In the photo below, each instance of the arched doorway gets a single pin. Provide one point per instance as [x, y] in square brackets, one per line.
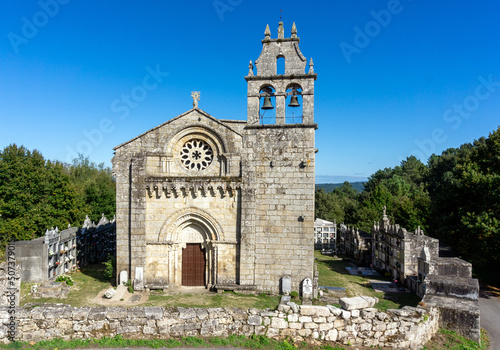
[188, 249]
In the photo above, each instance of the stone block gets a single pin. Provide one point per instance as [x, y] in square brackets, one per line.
[311, 310]
[331, 335]
[272, 332]
[310, 325]
[334, 310]
[319, 319]
[254, 320]
[185, 313]
[295, 325]
[279, 323]
[304, 319]
[357, 303]
[305, 332]
[346, 315]
[97, 313]
[155, 313]
[325, 326]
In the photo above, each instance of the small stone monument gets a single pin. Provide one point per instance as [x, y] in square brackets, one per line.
[123, 277]
[109, 293]
[139, 278]
[286, 285]
[307, 288]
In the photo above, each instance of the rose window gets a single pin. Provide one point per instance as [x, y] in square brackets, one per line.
[196, 154]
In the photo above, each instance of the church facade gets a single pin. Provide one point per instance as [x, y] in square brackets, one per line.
[225, 204]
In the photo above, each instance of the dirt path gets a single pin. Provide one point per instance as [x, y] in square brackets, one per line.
[100, 300]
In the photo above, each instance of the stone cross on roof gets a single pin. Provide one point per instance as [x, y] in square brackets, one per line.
[196, 97]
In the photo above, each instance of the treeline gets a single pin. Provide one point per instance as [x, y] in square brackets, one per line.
[358, 186]
[36, 194]
[454, 197]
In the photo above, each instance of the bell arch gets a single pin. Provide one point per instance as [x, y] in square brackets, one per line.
[267, 111]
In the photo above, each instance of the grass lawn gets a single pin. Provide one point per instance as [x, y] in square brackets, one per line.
[227, 299]
[332, 273]
[88, 283]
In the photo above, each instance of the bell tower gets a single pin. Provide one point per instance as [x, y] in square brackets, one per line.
[292, 85]
[278, 156]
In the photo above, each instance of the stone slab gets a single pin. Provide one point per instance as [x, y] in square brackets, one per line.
[357, 303]
[285, 299]
[135, 298]
[120, 292]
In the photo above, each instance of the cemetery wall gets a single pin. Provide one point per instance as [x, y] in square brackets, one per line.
[404, 328]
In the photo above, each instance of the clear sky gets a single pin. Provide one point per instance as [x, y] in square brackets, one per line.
[395, 78]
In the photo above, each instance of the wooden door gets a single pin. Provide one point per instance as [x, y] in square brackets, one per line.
[193, 265]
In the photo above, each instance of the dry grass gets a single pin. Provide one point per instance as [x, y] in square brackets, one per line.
[88, 283]
[332, 273]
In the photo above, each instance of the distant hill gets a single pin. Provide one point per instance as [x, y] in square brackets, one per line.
[359, 186]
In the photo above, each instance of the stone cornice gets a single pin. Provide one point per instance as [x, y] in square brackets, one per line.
[282, 126]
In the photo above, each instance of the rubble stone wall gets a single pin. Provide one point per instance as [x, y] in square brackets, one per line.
[404, 328]
[10, 283]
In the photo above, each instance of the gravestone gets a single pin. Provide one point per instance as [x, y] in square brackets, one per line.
[139, 278]
[286, 285]
[285, 299]
[307, 288]
[123, 277]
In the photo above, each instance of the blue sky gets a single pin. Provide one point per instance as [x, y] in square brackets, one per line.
[395, 78]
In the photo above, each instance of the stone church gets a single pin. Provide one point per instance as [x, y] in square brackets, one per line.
[225, 204]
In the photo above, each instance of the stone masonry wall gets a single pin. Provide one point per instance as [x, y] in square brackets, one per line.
[404, 328]
[10, 283]
[152, 183]
[277, 205]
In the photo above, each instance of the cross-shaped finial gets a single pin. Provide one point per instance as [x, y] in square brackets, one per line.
[196, 97]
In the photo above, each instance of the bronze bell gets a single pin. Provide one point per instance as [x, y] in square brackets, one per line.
[294, 102]
[267, 103]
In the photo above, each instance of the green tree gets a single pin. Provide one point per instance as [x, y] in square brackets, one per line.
[35, 194]
[95, 187]
[464, 185]
[402, 190]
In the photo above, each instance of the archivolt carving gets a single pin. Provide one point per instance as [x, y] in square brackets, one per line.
[196, 131]
[173, 226]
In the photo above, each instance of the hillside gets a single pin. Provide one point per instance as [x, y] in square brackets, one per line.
[359, 186]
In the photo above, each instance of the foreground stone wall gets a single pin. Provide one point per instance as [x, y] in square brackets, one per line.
[404, 328]
[10, 283]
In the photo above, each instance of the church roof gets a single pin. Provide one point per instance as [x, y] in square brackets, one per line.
[221, 122]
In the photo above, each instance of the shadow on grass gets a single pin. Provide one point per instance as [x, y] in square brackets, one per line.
[96, 271]
[334, 265]
[403, 299]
